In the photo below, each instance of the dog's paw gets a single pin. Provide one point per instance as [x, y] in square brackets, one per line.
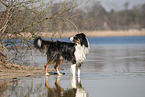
[59, 74]
[47, 74]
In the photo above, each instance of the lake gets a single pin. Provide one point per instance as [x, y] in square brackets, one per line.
[115, 67]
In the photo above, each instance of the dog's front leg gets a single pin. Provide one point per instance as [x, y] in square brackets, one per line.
[73, 69]
[78, 70]
[73, 82]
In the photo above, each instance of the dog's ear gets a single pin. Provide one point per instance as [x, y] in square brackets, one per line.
[83, 35]
[84, 39]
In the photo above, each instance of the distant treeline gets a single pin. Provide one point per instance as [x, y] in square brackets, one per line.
[68, 16]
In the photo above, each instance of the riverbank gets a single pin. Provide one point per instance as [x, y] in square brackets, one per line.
[10, 71]
[108, 33]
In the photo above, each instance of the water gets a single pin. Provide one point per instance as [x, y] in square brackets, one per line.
[115, 67]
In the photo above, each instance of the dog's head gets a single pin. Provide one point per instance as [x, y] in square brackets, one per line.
[80, 39]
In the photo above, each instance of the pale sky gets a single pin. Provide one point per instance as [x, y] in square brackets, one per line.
[118, 4]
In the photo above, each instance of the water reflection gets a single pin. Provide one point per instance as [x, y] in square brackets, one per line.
[76, 89]
[5, 85]
[43, 86]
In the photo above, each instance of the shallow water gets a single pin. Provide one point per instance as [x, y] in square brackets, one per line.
[114, 69]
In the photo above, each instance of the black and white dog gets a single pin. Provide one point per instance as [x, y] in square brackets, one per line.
[74, 51]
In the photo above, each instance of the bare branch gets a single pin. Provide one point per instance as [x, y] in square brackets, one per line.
[4, 3]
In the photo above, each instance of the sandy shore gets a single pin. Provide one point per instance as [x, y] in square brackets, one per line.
[94, 33]
[10, 71]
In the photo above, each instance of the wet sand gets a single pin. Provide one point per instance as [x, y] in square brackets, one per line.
[17, 71]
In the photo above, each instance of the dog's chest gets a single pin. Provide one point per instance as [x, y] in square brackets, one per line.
[80, 53]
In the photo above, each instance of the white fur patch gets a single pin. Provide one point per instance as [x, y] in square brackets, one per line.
[39, 42]
[71, 39]
[73, 82]
[73, 69]
[47, 74]
[79, 71]
[80, 53]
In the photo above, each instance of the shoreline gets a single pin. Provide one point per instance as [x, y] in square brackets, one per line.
[17, 71]
[13, 71]
[108, 33]
[98, 33]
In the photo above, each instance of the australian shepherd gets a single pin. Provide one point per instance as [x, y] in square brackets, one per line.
[75, 51]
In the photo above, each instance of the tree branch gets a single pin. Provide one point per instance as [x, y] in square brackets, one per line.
[4, 3]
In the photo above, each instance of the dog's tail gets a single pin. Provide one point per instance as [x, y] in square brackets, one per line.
[38, 42]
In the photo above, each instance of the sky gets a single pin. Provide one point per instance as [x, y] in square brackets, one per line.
[117, 4]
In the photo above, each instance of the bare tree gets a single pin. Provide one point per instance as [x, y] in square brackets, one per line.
[5, 17]
[21, 21]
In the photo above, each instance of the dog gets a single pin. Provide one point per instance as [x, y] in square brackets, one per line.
[75, 51]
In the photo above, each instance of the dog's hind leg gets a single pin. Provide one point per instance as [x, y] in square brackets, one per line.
[46, 66]
[58, 62]
[49, 62]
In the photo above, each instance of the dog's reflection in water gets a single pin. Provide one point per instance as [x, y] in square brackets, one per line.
[76, 89]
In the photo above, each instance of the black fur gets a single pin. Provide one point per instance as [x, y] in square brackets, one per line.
[57, 50]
